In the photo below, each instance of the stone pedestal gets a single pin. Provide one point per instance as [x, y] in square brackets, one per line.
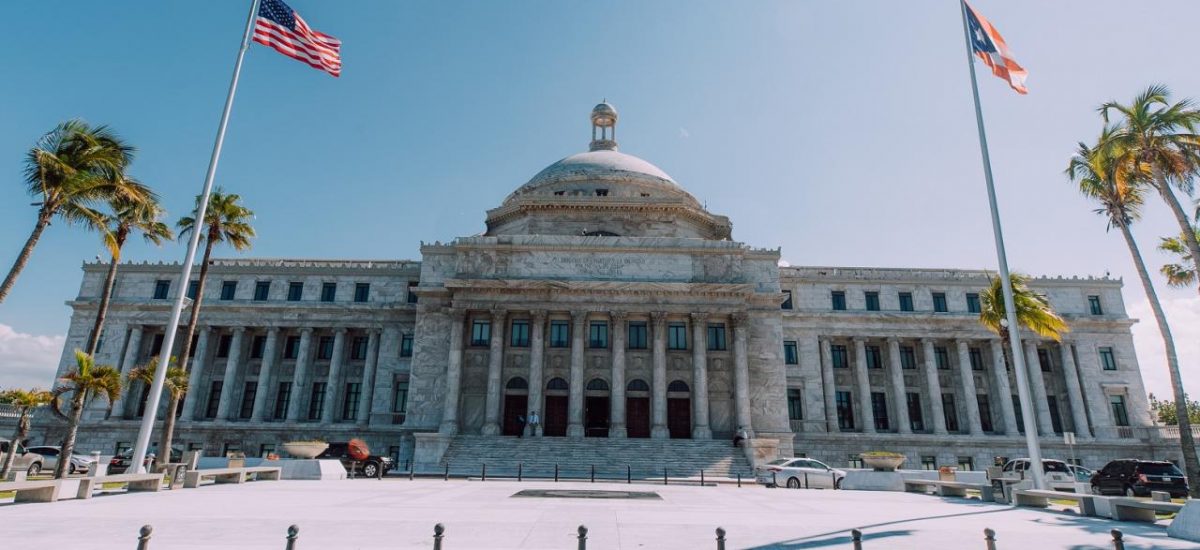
[1186, 524]
[428, 450]
[760, 451]
[870, 480]
[312, 470]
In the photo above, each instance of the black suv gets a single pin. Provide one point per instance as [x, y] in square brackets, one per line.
[373, 466]
[1132, 477]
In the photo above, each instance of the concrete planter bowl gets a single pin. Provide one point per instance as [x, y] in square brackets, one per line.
[882, 462]
[305, 449]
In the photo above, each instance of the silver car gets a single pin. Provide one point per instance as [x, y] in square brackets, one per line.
[25, 460]
[1058, 476]
[79, 463]
[797, 473]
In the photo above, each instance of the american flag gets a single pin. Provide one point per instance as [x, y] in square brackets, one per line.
[280, 27]
[991, 48]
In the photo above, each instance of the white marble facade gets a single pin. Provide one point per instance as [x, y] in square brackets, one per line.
[606, 298]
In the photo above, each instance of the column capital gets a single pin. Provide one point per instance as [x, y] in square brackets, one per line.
[456, 313]
[498, 314]
[205, 328]
[699, 317]
[659, 318]
[538, 316]
[928, 341]
[340, 331]
[893, 341]
[306, 331]
[578, 316]
[273, 330]
[238, 330]
[619, 316]
[740, 319]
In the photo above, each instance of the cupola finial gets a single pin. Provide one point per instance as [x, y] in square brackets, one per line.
[604, 119]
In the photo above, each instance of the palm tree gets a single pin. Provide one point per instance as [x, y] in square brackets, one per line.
[1033, 310]
[26, 402]
[85, 382]
[1181, 274]
[176, 384]
[1156, 144]
[1093, 168]
[127, 217]
[71, 170]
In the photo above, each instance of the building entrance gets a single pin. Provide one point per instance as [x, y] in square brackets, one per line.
[516, 407]
[679, 410]
[554, 417]
[595, 416]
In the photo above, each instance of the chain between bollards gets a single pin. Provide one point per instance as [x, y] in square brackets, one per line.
[720, 538]
[856, 538]
[583, 530]
[1118, 539]
[438, 531]
[989, 536]
[293, 532]
[144, 537]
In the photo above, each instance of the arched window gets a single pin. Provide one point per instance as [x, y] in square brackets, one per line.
[637, 385]
[678, 386]
[517, 383]
[600, 233]
[597, 385]
[556, 384]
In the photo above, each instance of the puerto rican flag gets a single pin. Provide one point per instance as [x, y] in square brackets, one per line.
[987, 43]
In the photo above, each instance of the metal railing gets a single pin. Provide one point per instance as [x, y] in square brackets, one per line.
[590, 473]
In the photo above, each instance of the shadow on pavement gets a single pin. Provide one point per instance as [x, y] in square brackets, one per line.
[842, 536]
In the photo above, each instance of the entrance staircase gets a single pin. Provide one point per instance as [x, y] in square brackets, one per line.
[576, 457]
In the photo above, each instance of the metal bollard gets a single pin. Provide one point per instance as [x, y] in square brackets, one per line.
[293, 532]
[593, 473]
[856, 538]
[628, 474]
[144, 537]
[701, 477]
[556, 473]
[805, 480]
[412, 471]
[833, 481]
[520, 467]
[989, 537]
[664, 476]
[774, 482]
[720, 538]
[739, 479]
[582, 537]
[438, 530]
[483, 474]
[1118, 539]
[447, 475]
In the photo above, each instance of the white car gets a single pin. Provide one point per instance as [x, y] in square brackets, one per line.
[79, 463]
[1058, 475]
[796, 473]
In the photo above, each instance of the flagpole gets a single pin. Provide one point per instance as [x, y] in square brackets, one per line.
[1014, 339]
[160, 373]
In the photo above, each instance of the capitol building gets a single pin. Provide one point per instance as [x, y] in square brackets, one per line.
[604, 297]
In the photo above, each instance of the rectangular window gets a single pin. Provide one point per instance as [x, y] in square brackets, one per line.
[637, 335]
[316, 402]
[560, 334]
[1120, 416]
[162, 288]
[520, 334]
[1020, 418]
[223, 345]
[400, 398]
[1094, 305]
[1107, 359]
[248, 393]
[845, 411]
[942, 358]
[872, 301]
[358, 348]
[973, 303]
[787, 300]
[156, 344]
[966, 464]
[951, 412]
[915, 417]
[928, 462]
[1055, 419]
[837, 356]
[262, 290]
[214, 399]
[598, 335]
[295, 291]
[362, 292]
[906, 301]
[908, 358]
[879, 409]
[281, 400]
[676, 336]
[985, 412]
[481, 332]
[795, 400]
[228, 290]
[325, 348]
[874, 357]
[854, 461]
[976, 357]
[291, 348]
[839, 300]
[412, 296]
[328, 292]
[265, 450]
[790, 356]
[257, 346]
[716, 338]
[939, 302]
[1043, 360]
[350, 403]
[193, 289]
[406, 345]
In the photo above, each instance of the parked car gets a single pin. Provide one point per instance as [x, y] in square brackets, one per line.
[31, 462]
[372, 466]
[120, 463]
[795, 473]
[1058, 475]
[1132, 477]
[1081, 474]
[79, 463]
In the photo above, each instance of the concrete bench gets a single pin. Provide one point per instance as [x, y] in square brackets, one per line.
[132, 482]
[1132, 509]
[949, 488]
[32, 491]
[193, 478]
[1041, 498]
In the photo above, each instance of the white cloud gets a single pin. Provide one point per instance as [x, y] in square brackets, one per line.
[683, 133]
[1183, 314]
[28, 360]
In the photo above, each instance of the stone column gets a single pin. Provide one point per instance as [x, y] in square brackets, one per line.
[537, 354]
[616, 399]
[575, 395]
[1037, 384]
[935, 388]
[974, 423]
[191, 400]
[368, 378]
[453, 373]
[741, 371]
[300, 378]
[491, 422]
[900, 397]
[131, 357]
[233, 365]
[329, 414]
[1074, 392]
[264, 375]
[700, 429]
[864, 386]
[829, 386]
[1000, 371]
[658, 394]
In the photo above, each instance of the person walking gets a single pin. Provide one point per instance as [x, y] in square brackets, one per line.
[520, 425]
[535, 421]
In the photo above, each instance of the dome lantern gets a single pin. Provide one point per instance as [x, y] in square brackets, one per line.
[604, 119]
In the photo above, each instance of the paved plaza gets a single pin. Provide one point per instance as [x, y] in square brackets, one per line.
[397, 513]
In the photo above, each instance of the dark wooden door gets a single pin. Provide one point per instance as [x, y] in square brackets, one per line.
[554, 422]
[595, 417]
[679, 418]
[515, 406]
[637, 417]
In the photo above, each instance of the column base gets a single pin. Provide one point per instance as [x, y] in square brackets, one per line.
[701, 432]
[575, 430]
[490, 429]
[616, 432]
[660, 432]
[448, 428]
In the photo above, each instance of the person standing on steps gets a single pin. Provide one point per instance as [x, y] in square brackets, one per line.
[520, 425]
[534, 422]
[740, 436]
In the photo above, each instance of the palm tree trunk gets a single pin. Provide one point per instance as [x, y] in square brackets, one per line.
[21, 433]
[26, 252]
[1185, 225]
[102, 312]
[168, 429]
[68, 443]
[1191, 463]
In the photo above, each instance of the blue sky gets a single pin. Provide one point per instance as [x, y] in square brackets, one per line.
[840, 131]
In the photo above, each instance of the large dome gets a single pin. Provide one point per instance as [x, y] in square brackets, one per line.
[620, 174]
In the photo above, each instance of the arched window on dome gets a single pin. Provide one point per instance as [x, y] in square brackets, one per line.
[600, 234]
[637, 385]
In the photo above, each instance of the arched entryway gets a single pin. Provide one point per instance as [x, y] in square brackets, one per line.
[637, 409]
[679, 410]
[596, 408]
[554, 421]
[516, 406]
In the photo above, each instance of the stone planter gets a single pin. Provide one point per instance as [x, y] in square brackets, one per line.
[882, 463]
[305, 449]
